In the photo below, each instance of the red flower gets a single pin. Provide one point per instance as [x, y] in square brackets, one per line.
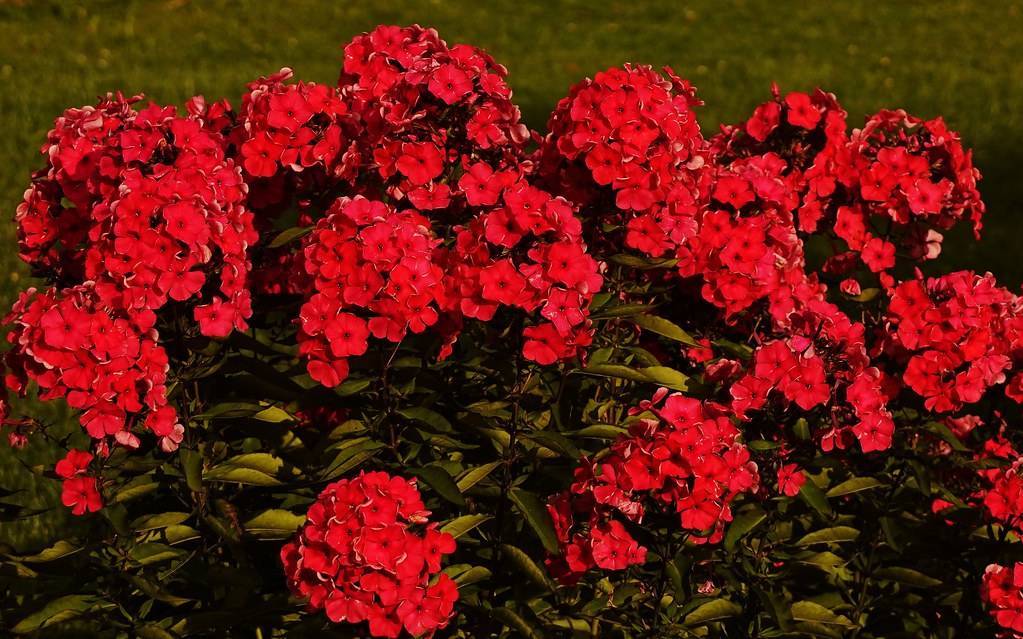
[790, 479]
[73, 464]
[81, 495]
[449, 83]
[1002, 591]
[420, 162]
[261, 155]
[801, 111]
[186, 223]
[216, 319]
[347, 335]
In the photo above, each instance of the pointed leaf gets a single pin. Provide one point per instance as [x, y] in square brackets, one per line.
[835, 535]
[853, 485]
[475, 475]
[440, 481]
[536, 516]
[665, 328]
[743, 523]
[461, 525]
[274, 523]
[528, 567]
[713, 610]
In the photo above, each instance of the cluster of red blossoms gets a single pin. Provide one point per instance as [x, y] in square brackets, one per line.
[135, 210]
[687, 462]
[368, 257]
[626, 146]
[1002, 496]
[1002, 591]
[294, 140]
[958, 332]
[360, 557]
[889, 185]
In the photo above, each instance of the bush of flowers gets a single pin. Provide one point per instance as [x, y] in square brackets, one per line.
[373, 359]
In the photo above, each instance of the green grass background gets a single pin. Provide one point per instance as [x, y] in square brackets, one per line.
[960, 59]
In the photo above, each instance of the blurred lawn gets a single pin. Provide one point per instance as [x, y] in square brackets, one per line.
[958, 59]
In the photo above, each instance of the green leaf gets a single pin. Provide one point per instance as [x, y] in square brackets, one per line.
[133, 490]
[289, 235]
[191, 462]
[854, 485]
[352, 454]
[802, 429]
[231, 410]
[429, 417]
[812, 495]
[472, 575]
[743, 523]
[529, 568]
[57, 611]
[616, 371]
[352, 386]
[809, 611]
[461, 525]
[664, 328]
[642, 263]
[668, 377]
[153, 631]
[440, 481]
[475, 475]
[490, 409]
[942, 430]
[907, 576]
[274, 415]
[621, 310]
[713, 610]
[533, 509]
[865, 295]
[257, 469]
[601, 431]
[274, 523]
[152, 552]
[510, 618]
[556, 442]
[835, 535]
[161, 520]
[56, 551]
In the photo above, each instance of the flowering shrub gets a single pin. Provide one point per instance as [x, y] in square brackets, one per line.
[374, 359]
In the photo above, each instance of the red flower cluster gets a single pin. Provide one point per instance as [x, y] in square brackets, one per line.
[958, 333]
[746, 247]
[367, 257]
[687, 462]
[360, 558]
[910, 170]
[294, 139]
[105, 363]
[429, 111]
[890, 184]
[1002, 496]
[145, 202]
[1002, 591]
[627, 147]
[527, 253]
[437, 127]
[135, 210]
